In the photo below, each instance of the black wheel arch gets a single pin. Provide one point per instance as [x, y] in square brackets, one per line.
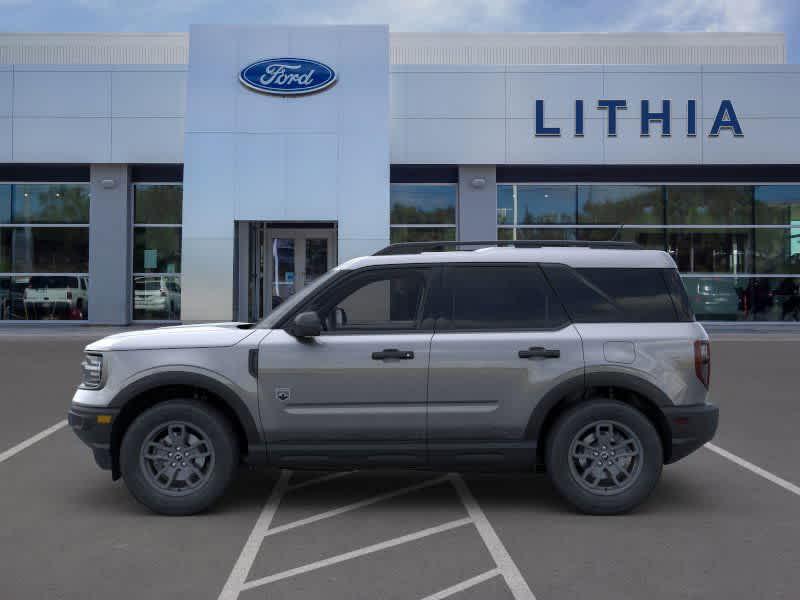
[625, 387]
[159, 387]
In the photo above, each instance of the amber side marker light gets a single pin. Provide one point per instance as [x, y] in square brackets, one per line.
[103, 419]
[702, 361]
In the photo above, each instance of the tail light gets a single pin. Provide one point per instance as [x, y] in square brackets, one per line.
[702, 361]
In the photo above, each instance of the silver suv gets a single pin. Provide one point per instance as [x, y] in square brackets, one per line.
[581, 359]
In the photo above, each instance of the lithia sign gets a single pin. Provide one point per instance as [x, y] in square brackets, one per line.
[725, 120]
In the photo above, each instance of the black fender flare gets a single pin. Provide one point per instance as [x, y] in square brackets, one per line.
[256, 446]
[578, 385]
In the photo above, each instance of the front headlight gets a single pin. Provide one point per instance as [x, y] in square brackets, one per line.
[92, 371]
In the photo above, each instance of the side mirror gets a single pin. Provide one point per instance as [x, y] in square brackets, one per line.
[306, 325]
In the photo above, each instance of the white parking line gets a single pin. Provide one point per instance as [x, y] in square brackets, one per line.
[31, 441]
[788, 486]
[318, 480]
[355, 505]
[248, 554]
[464, 585]
[357, 553]
[514, 579]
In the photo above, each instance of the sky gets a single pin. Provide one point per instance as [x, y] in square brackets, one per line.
[414, 15]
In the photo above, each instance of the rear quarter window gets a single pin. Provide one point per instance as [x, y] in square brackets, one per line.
[605, 295]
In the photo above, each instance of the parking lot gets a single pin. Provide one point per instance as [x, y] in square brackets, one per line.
[716, 527]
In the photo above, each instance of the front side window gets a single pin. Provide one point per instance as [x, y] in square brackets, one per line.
[157, 215]
[380, 300]
[496, 297]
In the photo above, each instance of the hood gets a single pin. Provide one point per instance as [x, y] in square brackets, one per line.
[207, 335]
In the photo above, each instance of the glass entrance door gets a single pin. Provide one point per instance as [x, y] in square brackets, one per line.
[283, 261]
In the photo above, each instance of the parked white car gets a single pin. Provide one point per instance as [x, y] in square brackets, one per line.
[157, 297]
[56, 297]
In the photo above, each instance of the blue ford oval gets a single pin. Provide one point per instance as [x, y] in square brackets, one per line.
[287, 76]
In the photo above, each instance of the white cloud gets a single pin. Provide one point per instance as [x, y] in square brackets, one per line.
[416, 15]
[705, 15]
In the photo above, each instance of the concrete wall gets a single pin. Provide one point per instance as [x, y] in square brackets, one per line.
[92, 113]
[252, 156]
[109, 245]
[485, 114]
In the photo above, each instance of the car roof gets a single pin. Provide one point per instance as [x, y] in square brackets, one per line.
[578, 257]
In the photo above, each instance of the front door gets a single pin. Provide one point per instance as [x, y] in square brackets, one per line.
[284, 260]
[503, 341]
[357, 393]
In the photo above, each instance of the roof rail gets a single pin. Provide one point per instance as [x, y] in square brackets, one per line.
[418, 247]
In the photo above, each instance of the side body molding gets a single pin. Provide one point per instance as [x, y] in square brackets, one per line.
[256, 446]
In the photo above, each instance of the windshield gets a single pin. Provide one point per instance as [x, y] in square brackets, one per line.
[289, 304]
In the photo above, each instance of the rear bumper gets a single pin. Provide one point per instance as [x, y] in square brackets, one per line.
[691, 426]
[97, 436]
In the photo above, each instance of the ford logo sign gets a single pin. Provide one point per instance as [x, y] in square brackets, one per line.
[287, 76]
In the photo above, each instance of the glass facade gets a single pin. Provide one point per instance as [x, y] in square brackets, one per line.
[737, 246]
[156, 286]
[44, 251]
[423, 212]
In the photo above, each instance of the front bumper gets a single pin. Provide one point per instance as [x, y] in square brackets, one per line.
[94, 432]
[691, 426]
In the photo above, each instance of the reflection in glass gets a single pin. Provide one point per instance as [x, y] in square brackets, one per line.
[744, 298]
[546, 233]
[158, 204]
[709, 205]
[44, 249]
[777, 205]
[505, 205]
[712, 250]
[546, 205]
[283, 275]
[156, 297]
[778, 250]
[417, 204]
[316, 258]
[623, 204]
[44, 297]
[157, 249]
[38, 203]
[422, 234]
[650, 239]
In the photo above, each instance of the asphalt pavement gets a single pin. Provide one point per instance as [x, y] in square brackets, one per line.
[713, 528]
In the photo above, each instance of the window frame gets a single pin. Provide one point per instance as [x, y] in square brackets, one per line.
[424, 324]
[444, 320]
[84, 277]
[133, 274]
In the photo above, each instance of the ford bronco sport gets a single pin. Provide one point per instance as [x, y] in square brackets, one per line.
[583, 359]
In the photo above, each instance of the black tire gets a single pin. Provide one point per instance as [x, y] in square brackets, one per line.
[639, 475]
[197, 417]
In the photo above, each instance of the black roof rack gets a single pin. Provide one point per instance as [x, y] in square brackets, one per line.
[418, 247]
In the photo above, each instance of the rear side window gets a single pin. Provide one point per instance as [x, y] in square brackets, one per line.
[500, 297]
[615, 295]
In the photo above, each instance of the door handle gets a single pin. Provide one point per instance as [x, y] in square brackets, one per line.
[393, 353]
[539, 352]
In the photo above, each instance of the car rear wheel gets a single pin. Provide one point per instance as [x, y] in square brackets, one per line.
[604, 457]
[178, 457]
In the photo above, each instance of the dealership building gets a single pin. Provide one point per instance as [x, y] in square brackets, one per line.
[208, 175]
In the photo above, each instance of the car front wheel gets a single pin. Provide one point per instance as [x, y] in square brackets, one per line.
[604, 457]
[178, 457]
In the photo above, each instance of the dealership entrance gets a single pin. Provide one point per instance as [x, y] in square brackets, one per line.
[282, 258]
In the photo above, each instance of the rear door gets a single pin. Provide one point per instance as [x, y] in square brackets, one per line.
[502, 342]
